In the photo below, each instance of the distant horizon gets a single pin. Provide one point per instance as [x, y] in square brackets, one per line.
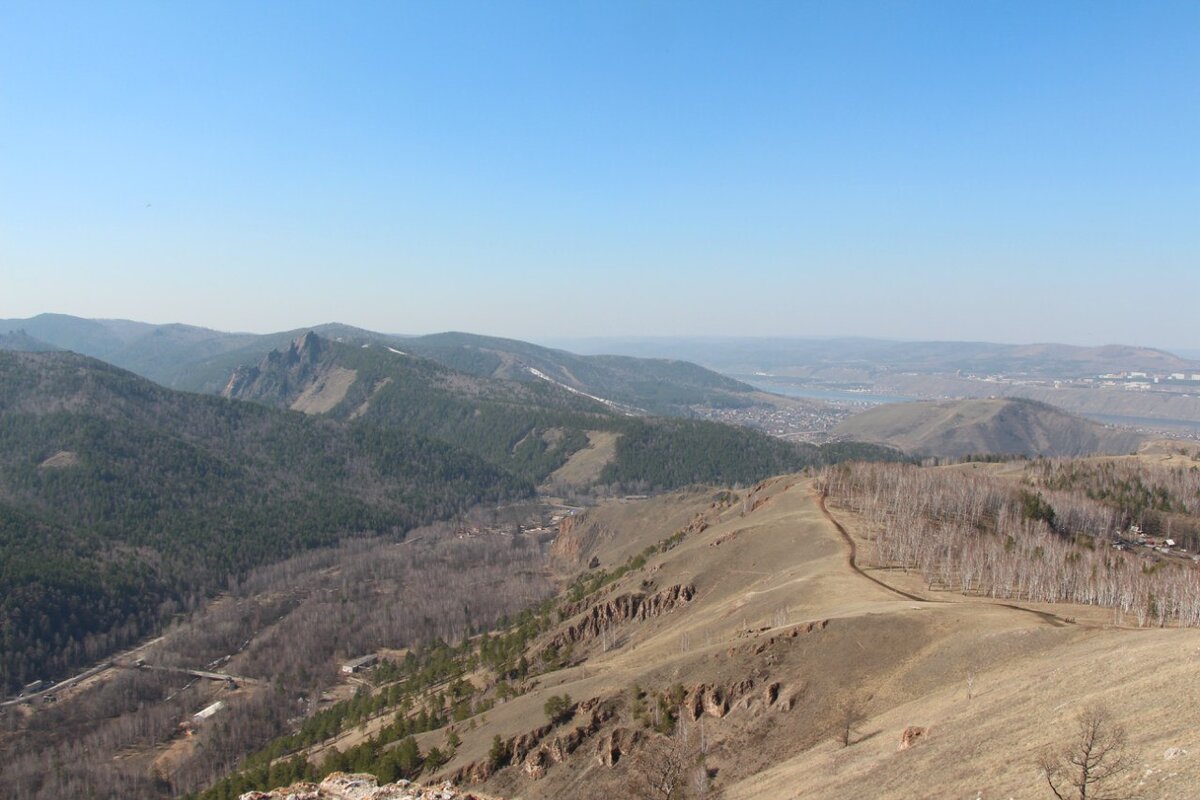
[933, 170]
[563, 342]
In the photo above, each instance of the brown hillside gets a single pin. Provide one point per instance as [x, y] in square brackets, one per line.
[1008, 426]
[767, 632]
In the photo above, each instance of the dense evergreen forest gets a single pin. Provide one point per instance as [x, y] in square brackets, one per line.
[529, 429]
[658, 454]
[657, 386]
[122, 502]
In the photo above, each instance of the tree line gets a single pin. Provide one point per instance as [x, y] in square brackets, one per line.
[972, 532]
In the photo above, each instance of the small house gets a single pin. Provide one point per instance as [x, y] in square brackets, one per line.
[207, 712]
[359, 664]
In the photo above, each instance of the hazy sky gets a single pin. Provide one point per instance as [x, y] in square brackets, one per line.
[962, 170]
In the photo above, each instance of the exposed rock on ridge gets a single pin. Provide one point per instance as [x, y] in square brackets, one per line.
[534, 753]
[625, 608]
[284, 375]
[342, 786]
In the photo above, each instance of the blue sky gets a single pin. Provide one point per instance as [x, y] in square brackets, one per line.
[987, 170]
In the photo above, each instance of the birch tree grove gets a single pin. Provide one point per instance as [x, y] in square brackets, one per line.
[1040, 539]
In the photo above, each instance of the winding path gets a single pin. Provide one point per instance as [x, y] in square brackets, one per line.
[852, 555]
[852, 561]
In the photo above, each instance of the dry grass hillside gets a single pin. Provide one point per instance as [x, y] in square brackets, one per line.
[584, 466]
[760, 625]
[998, 425]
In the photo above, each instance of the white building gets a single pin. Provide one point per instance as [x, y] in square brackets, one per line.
[205, 713]
[359, 664]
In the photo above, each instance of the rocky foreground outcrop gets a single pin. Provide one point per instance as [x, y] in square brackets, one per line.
[634, 607]
[341, 786]
[537, 750]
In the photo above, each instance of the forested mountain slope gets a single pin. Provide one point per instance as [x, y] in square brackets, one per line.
[122, 501]
[658, 386]
[200, 359]
[529, 428]
[22, 342]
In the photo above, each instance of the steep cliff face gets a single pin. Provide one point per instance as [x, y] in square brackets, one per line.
[302, 377]
[576, 534]
[341, 786]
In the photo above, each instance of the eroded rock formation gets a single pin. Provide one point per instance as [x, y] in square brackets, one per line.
[911, 735]
[618, 743]
[534, 752]
[343, 786]
[607, 614]
[717, 701]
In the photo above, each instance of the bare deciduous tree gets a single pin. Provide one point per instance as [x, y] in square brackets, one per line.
[671, 767]
[659, 770]
[1093, 763]
[984, 535]
[851, 714]
[289, 624]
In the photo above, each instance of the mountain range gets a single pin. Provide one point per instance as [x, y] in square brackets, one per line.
[532, 428]
[123, 501]
[855, 358]
[201, 359]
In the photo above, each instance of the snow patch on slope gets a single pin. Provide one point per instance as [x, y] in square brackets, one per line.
[537, 373]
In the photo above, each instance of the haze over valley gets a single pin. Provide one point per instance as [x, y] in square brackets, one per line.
[591, 401]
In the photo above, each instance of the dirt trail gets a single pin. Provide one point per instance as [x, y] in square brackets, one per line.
[852, 555]
[852, 560]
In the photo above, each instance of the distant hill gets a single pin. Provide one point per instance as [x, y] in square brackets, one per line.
[1008, 426]
[528, 427]
[22, 342]
[152, 351]
[658, 386]
[861, 359]
[122, 501]
[200, 360]
[177, 356]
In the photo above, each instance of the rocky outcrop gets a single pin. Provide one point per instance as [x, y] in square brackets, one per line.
[281, 375]
[717, 701]
[534, 752]
[726, 537]
[568, 610]
[570, 542]
[578, 537]
[625, 608]
[342, 786]
[911, 735]
[613, 747]
[792, 633]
